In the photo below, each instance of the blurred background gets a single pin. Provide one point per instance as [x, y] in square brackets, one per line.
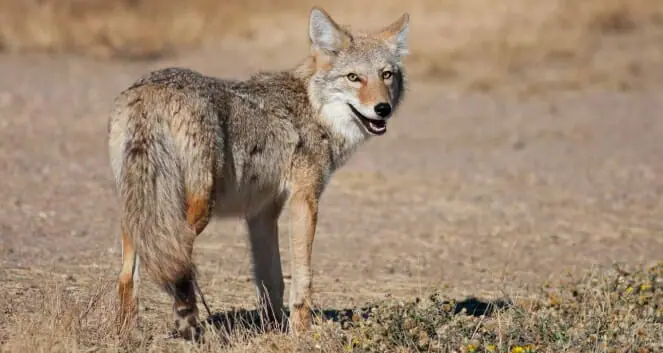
[527, 45]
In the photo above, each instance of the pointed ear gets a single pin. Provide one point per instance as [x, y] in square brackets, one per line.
[396, 35]
[325, 34]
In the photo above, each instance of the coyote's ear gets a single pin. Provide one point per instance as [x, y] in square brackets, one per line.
[325, 34]
[396, 35]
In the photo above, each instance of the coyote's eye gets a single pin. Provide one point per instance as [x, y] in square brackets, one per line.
[386, 75]
[353, 77]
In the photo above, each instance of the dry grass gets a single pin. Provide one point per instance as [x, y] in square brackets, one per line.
[613, 311]
[126, 29]
[561, 44]
[480, 44]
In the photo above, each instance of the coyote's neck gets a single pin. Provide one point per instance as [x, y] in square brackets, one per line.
[345, 134]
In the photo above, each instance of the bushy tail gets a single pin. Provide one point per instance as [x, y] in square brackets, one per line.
[152, 196]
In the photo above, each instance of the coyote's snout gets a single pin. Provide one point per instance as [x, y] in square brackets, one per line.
[184, 147]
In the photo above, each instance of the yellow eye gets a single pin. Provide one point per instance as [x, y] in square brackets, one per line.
[353, 77]
[386, 75]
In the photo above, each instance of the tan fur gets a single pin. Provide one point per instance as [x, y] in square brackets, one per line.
[373, 92]
[197, 212]
[185, 147]
[393, 29]
[126, 290]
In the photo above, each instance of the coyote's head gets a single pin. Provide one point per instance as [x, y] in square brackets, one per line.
[357, 79]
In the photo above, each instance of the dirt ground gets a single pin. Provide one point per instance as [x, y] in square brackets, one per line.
[480, 193]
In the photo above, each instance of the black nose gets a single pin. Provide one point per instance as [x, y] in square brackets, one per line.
[383, 109]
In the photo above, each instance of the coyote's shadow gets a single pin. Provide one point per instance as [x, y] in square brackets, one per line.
[253, 322]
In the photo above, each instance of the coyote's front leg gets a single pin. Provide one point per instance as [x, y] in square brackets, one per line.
[304, 214]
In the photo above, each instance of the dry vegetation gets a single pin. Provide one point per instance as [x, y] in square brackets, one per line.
[613, 311]
[479, 44]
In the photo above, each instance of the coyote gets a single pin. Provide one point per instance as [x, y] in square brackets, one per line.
[185, 147]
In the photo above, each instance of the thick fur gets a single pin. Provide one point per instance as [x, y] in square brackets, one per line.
[184, 145]
[152, 191]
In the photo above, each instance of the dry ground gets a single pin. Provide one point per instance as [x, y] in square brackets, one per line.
[474, 191]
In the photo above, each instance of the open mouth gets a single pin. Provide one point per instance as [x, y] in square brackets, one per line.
[375, 127]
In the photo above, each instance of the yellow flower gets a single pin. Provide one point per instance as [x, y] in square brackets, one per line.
[490, 348]
[517, 349]
[629, 290]
[316, 336]
[471, 347]
[645, 287]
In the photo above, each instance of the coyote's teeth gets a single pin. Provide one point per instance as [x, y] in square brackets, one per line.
[376, 127]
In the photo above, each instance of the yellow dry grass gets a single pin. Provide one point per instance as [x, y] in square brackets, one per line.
[479, 44]
[606, 311]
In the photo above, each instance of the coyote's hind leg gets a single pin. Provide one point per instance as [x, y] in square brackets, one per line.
[268, 274]
[127, 286]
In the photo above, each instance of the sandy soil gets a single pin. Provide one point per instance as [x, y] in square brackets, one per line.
[480, 193]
